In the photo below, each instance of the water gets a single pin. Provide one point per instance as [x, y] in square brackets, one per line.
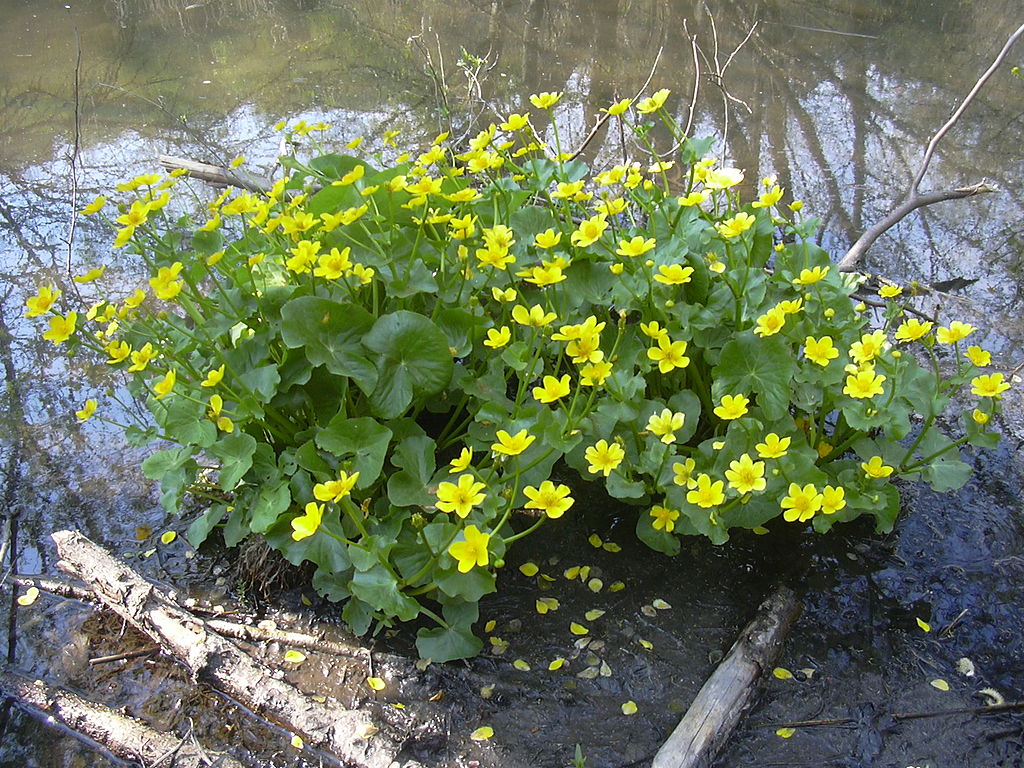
[837, 98]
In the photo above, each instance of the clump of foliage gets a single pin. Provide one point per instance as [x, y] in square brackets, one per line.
[381, 368]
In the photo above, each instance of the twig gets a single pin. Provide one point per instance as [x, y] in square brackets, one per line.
[126, 655]
[696, 80]
[1010, 706]
[73, 158]
[606, 116]
[914, 199]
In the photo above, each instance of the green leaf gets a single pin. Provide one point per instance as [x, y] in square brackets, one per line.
[469, 586]
[200, 528]
[185, 421]
[329, 334]
[272, 500]
[754, 366]
[413, 361]
[450, 644]
[379, 588]
[659, 541]
[262, 381]
[235, 452]
[175, 469]
[322, 548]
[365, 439]
[415, 456]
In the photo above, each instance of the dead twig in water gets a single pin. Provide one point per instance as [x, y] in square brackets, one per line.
[914, 199]
[994, 709]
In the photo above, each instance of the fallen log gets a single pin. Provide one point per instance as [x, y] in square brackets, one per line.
[349, 735]
[722, 700]
[126, 737]
[216, 174]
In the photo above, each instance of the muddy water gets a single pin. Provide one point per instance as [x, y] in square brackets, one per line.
[836, 97]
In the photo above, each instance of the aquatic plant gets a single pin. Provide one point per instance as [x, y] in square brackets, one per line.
[392, 370]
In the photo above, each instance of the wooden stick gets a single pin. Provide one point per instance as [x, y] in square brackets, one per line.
[216, 174]
[348, 734]
[125, 656]
[993, 709]
[718, 706]
[126, 737]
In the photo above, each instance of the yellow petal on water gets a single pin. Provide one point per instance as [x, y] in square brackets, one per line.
[605, 670]
[556, 664]
[422, 664]
[541, 606]
[590, 673]
[760, 530]
[398, 705]
[661, 605]
[487, 691]
[611, 546]
[483, 733]
[529, 569]
[297, 741]
[521, 665]
[595, 541]
[785, 732]
[437, 696]
[924, 625]
[305, 600]
[319, 699]
[782, 674]
[629, 708]
[546, 577]
[647, 645]
[593, 615]
[808, 672]
[571, 573]
[584, 573]
[376, 683]
[30, 596]
[616, 586]
[366, 730]
[295, 657]
[578, 629]
[648, 610]
[148, 553]
[939, 683]
[167, 537]
[595, 585]
[489, 626]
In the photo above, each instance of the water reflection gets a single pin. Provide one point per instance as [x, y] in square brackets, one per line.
[838, 98]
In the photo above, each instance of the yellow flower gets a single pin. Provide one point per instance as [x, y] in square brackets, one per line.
[683, 473]
[553, 389]
[534, 317]
[913, 329]
[801, 503]
[306, 525]
[811, 276]
[673, 274]
[40, 303]
[512, 445]
[224, 424]
[705, 493]
[462, 462]
[669, 354]
[336, 490]
[91, 275]
[665, 425]
[735, 226]
[123, 236]
[957, 331]
[723, 178]
[768, 198]
[472, 550]
[603, 457]
[832, 499]
[552, 500]
[565, 190]
[864, 384]
[870, 346]
[732, 407]
[874, 467]
[791, 307]
[589, 231]
[773, 447]
[498, 337]
[978, 356]
[166, 284]
[543, 275]
[890, 291]
[547, 239]
[637, 246]
[694, 198]
[304, 256]
[163, 387]
[594, 374]
[462, 497]
[820, 351]
[135, 215]
[334, 265]
[770, 323]
[87, 411]
[654, 330]
[515, 122]
[363, 274]
[545, 100]
[980, 417]
[746, 475]
[611, 207]
[118, 351]
[618, 108]
[989, 385]
[141, 357]
[507, 294]
[61, 328]
[654, 102]
[95, 206]
[664, 518]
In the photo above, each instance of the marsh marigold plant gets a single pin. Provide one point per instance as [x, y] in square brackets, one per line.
[398, 370]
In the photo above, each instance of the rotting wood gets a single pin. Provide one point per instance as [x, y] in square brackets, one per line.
[722, 700]
[216, 174]
[126, 737]
[349, 735]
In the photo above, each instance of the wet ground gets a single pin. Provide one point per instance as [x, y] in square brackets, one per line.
[842, 96]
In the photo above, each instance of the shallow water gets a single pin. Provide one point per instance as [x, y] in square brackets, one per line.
[842, 95]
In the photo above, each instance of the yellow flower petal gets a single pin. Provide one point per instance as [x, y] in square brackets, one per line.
[294, 657]
[167, 537]
[556, 664]
[595, 585]
[785, 732]
[521, 665]
[578, 629]
[297, 741]
[629, 708]
[30, 596]
[529, 569]
[376, 683]
[941, 684]
[924, 625]
[595, 541]
[594, 614]
[782, 673]
[483, 733]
